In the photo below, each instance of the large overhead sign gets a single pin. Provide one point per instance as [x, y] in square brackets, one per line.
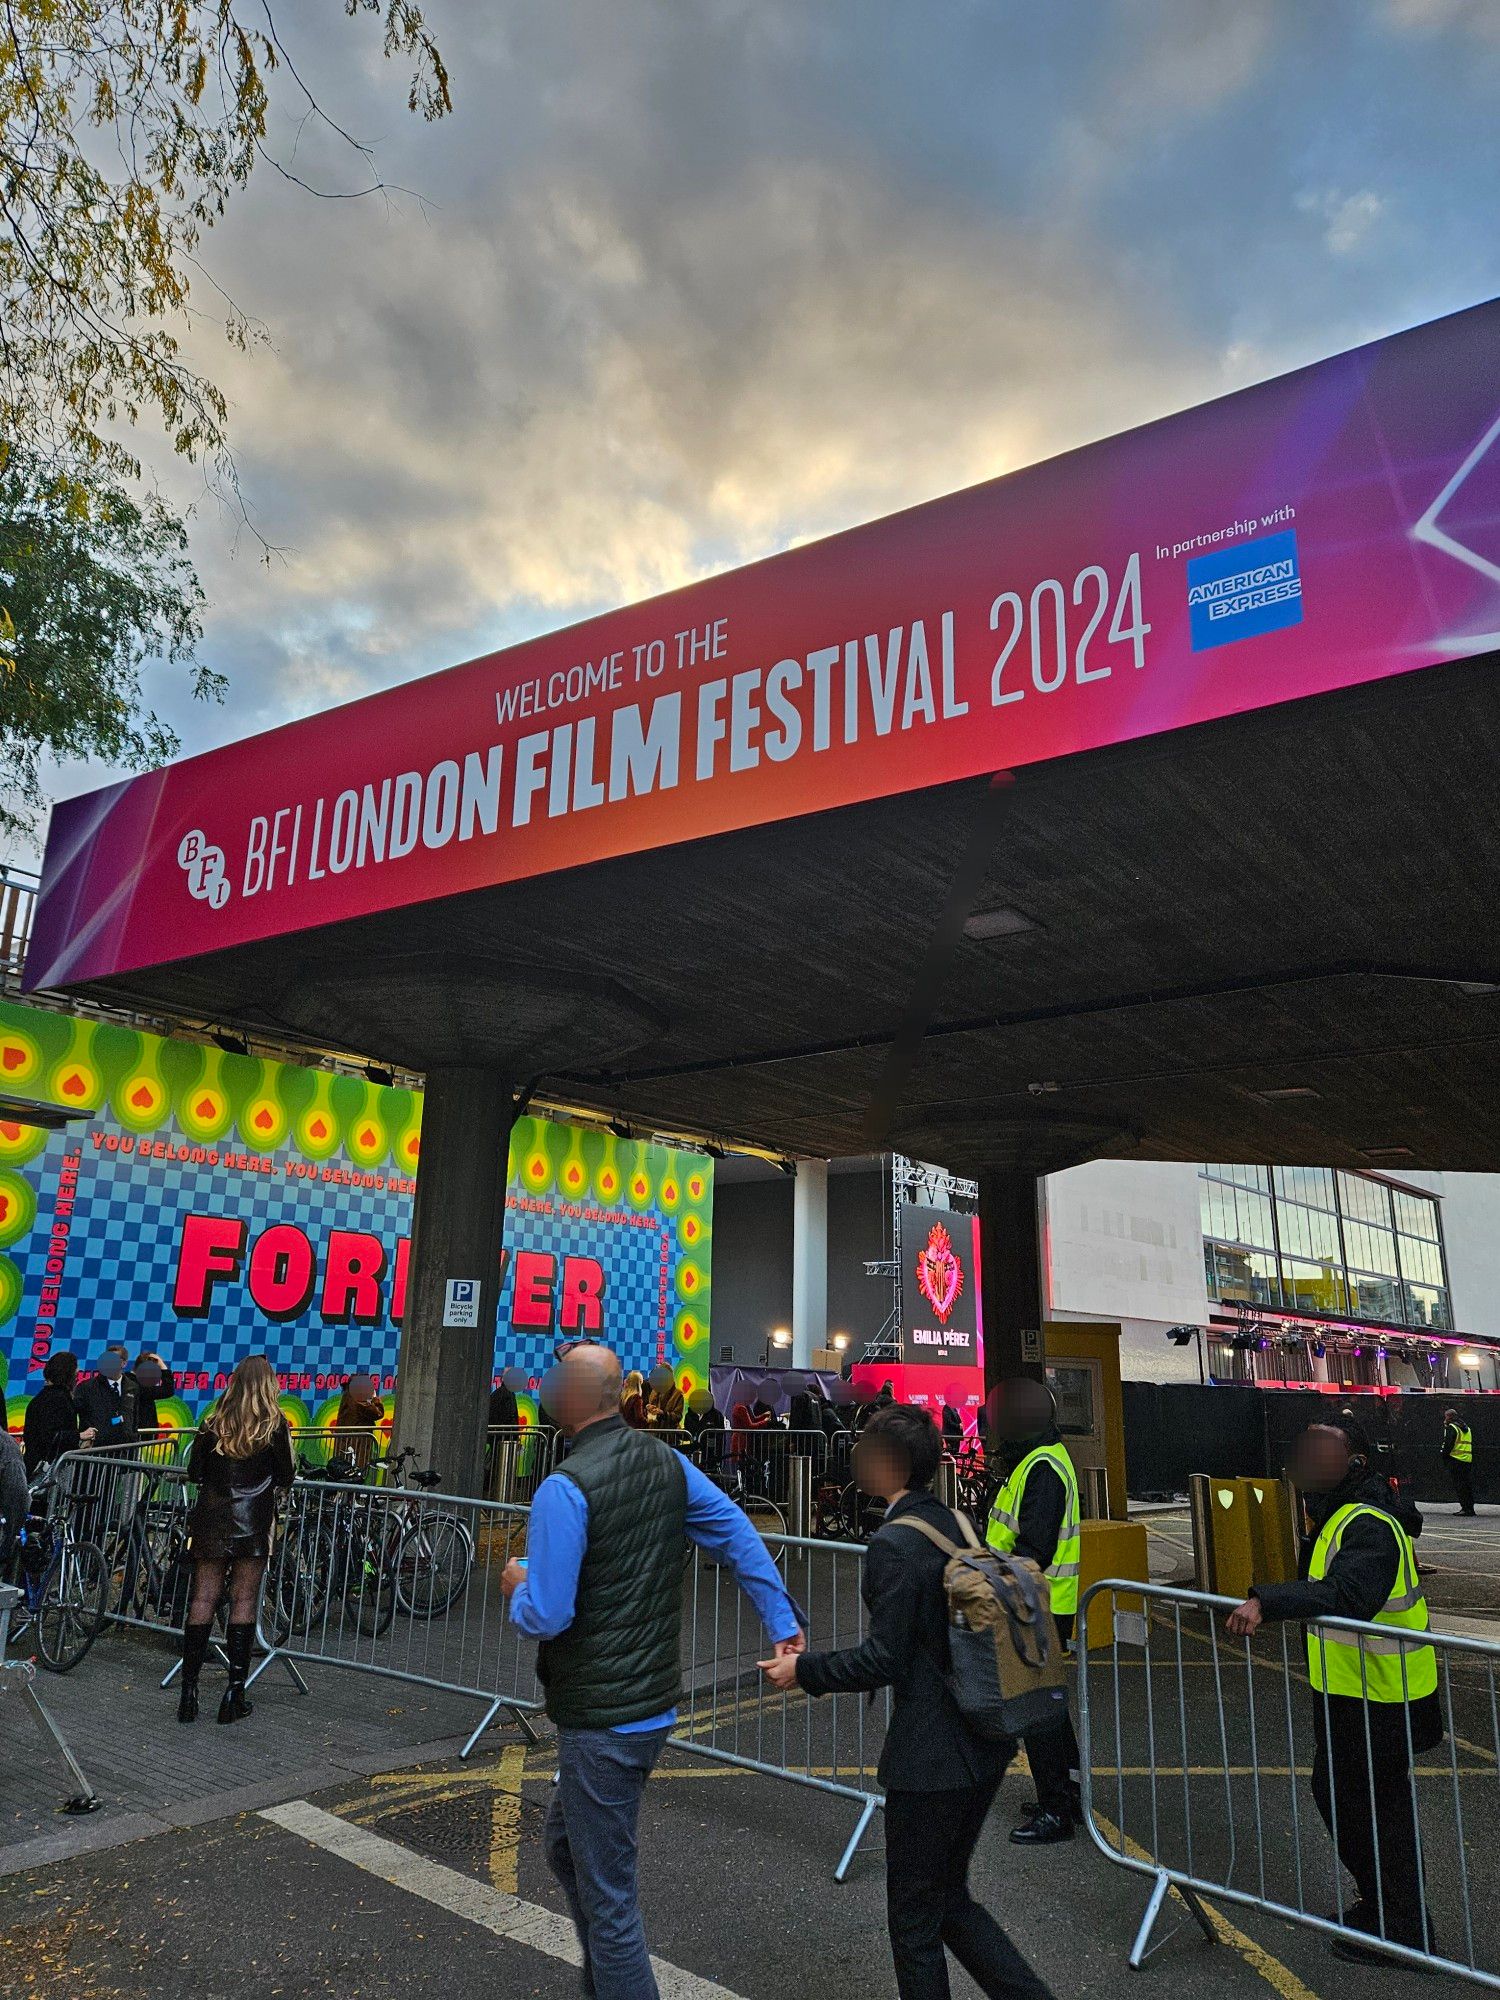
[1329, 528]
[211, 1205]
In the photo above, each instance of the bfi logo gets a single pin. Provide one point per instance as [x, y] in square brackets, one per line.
[203, 864]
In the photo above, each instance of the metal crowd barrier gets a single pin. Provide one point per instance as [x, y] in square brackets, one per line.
[517, 1458]
[1204, 1770]
[728, 1711]
[18, 1678]
[405, 1585]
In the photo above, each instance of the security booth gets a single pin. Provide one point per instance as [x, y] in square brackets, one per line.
[1081, 1366]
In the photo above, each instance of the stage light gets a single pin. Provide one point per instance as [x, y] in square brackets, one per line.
[379, 1074]
[1182, 1336]
[620, 1129]
[840, 1342]
[232, 1045]
[789, 1168]
[1319, 1349]
[781, 1336]
[1467, 1358]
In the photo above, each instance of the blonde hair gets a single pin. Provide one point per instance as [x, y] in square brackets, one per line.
[248, 1415]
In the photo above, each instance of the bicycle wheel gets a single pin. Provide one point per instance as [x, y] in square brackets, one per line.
[767, 1519]
[370, 1591]
[70, 1611]
[433, 1565]
[297, 1582]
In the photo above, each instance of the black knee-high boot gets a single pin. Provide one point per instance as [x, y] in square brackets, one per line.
[194, 1651]
[239, 1641]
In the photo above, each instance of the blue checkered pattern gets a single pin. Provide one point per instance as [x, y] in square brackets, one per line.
[632, 1264]
[122, 1263]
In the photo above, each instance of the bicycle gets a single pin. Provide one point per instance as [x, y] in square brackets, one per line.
[64, 1582]
[378, 1556]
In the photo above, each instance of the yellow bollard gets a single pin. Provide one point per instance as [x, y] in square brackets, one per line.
[1112, 1548]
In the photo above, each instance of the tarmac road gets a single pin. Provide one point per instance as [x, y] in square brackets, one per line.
[378, 1885]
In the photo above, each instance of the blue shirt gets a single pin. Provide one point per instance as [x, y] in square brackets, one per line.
[544, 1604]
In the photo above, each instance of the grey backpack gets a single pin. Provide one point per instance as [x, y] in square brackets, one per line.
[1005, 1661]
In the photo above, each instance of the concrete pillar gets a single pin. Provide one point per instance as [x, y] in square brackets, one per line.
[809, 1261]
[1013, 1270]
[443, 1375]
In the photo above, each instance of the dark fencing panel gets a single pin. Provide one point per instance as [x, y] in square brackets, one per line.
[1235, 1432]
[1175, 1428]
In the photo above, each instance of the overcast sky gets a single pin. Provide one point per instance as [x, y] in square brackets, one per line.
[690, 280]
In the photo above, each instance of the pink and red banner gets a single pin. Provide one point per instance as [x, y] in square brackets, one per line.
[1333, 527]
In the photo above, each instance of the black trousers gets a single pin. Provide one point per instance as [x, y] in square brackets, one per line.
[1052, 1752]
[1365, 1796]
[929, 1839]
[1462, 1475]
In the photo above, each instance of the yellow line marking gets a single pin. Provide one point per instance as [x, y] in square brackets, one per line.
[1259, 1960]
[505, 1820]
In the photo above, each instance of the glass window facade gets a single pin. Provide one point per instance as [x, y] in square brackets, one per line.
[1312, 1240]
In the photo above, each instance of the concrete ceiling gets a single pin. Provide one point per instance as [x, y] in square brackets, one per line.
[1250, 940]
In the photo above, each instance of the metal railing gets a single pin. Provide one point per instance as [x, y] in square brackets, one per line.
[402, 1583]
[18, 1680]
[18, 893]
[1214, 1768]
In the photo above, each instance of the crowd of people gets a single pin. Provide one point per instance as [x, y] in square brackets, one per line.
[600, 1590]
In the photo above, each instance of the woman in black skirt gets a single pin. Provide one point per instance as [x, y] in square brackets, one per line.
[241, 1459]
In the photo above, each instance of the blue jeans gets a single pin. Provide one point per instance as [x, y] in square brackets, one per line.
[590, 1838]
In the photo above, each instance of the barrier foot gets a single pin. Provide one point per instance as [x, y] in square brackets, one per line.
[294, 1673]
[1159, 1890]
[867, 1813]
[1205, 1921]
[85, 1799]
[482, 1725]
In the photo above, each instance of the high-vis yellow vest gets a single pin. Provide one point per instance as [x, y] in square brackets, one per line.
[1005, 1524]
[1391, 1669]
[1463, 1445]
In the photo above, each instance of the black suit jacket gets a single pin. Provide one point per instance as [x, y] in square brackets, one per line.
[111, 1411]
[928, 1745]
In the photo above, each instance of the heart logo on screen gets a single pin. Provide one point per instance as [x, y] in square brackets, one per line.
[940, 1276]
[4, 1207]
[10, 1133]
[318, 1129]
[142, 1097]
[206, 1107]
[73, 1084]
[367, 1137]
[11, 1056]
[263, 1120]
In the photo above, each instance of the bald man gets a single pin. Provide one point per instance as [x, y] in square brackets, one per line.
[601, 1589]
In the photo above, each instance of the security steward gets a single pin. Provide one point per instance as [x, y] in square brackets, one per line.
[1358, 1562]
[1458, 1453]
[1036, 1515]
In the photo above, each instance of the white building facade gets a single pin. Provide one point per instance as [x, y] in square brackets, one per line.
[1295, 1275]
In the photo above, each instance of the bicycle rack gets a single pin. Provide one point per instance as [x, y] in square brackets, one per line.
[18, 1677]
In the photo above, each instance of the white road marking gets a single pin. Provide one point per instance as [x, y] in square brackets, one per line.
[462, 1896]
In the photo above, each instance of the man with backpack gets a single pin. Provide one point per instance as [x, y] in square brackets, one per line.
[938, 1774]
[1036, 1515]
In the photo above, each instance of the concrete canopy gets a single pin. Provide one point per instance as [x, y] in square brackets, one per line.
[1273, 937]
[705, 862]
